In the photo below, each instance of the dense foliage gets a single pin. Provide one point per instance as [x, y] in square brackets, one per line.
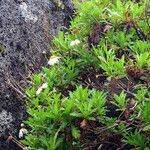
[94, 94]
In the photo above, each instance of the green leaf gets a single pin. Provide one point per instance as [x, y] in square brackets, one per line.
[146, 128]
[75, 132]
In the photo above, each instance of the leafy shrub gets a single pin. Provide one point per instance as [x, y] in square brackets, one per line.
[106, 49]
[56, 116]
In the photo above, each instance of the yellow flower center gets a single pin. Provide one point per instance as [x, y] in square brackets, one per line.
[53, 57]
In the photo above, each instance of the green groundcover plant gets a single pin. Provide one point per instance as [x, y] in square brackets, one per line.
[94, 93]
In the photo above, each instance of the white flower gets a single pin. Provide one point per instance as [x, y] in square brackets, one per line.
[44, 86]
[22, 125]
[44, 52]
[22, 132]
[53, 60]
[38, 91]
[75, 42]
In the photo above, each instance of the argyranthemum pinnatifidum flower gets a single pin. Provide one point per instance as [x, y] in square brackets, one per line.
[53, 60]
[22, 131]
[75, 42]
[40, 89]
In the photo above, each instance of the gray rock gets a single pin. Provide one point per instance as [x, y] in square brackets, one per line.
[5, 120]
[26, 30]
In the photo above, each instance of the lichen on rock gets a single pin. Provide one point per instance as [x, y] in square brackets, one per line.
[27, 14]
[5, 120]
